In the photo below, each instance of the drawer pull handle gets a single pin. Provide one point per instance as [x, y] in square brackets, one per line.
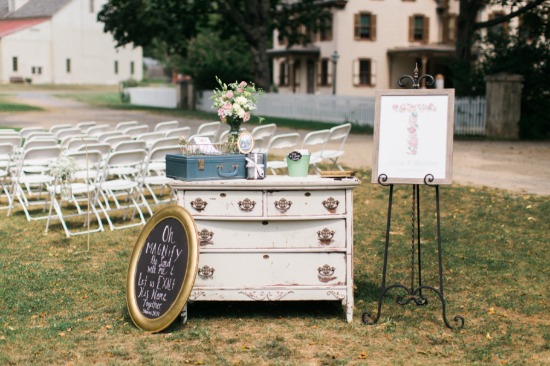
[205, 237]
[283, 205]
[266, 256]
[331, 204]
[198, 204]
[206, 272]
[325, 236]
[247, 205]
[326, 273]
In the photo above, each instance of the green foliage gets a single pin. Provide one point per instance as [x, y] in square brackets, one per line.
[210, 55]
[8, 106]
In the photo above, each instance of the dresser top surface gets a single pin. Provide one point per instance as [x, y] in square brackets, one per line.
[272, 182]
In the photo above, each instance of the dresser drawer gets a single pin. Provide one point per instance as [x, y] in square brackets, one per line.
[302, 203]
[272, 234]
[249, 270]
[224, 203]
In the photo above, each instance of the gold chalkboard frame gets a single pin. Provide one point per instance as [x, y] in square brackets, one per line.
[159, 324]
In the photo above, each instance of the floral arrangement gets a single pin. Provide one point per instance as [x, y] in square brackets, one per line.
[235, 102]
[63, 167]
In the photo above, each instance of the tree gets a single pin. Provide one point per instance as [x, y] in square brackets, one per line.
[467, 34]
[173, 23]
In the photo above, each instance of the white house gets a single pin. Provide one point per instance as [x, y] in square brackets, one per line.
[376, 42]
[61, 42]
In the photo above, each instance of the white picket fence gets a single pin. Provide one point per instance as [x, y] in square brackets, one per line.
[469, 112]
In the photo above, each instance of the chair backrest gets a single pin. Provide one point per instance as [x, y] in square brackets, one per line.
[209, 129]
[165, 141]
[6, 155]
[68, 132]
[124, 125]
[316, 140]
[85, 125]
[264, 131]
[166, 126]
[56, 128]
[136, 130]
[92, 158]
[26, 130]
[74, 143]
[11, 139]
[223, 136]
[39, 142]
[102, 147]
[150, 136]
[283, 141]
[178, 132]
[97, 130]
[130, 145]
[66, 139]
[159, 154]
[339, 134]
[43, 155]
[8, 131]
[39, 134]
[113, 140]
[104, 135]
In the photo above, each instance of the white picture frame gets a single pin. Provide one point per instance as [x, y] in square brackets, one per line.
[245, 142]
[413, 136]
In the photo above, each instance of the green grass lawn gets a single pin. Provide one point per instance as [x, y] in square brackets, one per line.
[7, 105]
[61, 306]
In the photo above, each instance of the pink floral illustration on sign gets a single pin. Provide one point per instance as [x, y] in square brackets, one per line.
[412, 127]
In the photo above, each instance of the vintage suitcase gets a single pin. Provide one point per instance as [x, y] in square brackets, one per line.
[205, 167]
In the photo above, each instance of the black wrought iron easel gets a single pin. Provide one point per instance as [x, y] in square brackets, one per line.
[414, 293]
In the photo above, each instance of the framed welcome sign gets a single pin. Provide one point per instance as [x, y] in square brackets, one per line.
[413, 136]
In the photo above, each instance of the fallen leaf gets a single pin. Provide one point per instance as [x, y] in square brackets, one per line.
[491, 311]
[62, 334]
[312, 343]
[531, 219]
[362, 356]
[108, 327]
[488, 336]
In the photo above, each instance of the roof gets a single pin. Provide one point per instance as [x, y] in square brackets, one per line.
[430, 49]
[32, 9]
[309, 50]
[12, 26]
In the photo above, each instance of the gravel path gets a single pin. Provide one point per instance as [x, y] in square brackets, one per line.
[519, 167]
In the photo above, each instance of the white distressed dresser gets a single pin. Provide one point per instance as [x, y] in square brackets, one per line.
[277, 239]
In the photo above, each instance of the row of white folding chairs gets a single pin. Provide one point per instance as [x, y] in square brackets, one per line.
[322, 145]
[125, 172]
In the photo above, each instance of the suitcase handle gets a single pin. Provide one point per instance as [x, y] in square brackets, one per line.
[234, 173]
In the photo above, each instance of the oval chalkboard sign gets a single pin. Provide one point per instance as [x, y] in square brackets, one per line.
[163, 268]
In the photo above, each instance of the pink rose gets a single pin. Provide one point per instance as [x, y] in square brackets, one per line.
[246, 116]
[243, 84]
[229, 95]
[240, 90]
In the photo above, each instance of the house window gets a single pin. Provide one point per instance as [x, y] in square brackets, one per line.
[116, 67]
[297, 73]
[501, 28]
[363, 72]
[283, 73]
[132, 67]
[325, 31]
[365, 26]
[14, 64]
[68, 65]
[324, 76]
[39, 70]
[450, 29]
[33, 70]
[419, 28]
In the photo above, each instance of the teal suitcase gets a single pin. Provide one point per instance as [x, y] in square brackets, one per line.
[205, 167]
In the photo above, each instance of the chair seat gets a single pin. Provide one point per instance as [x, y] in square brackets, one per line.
[119, 185]
[157, 180]
[331, 154]
[36, 178]
[82, 174]
[157, 166]
[3, 173]
[123, 171]
[76, 188]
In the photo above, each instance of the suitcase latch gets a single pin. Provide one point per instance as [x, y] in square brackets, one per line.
[200, 164]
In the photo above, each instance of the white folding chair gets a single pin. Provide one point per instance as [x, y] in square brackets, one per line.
[105, 135]
[179, 132]
[112, 186]
[285, 143]
[261, 135]
[336, 143]
[81, 191]
[39, 142]
[102, 147]
[223, 136]
[14, 140]
[26, 130]
[8, 131]
[150, 137]
[315, 142]
[166, 126]
[209, 129]
[85, 125]
[124, 125]
[136, 130]
[39, 135]
[61, 134]
[97, 130]
[7, 160]
[155, 173]
[130, 145]
[29, 188]
[74, 143]
[55, 128]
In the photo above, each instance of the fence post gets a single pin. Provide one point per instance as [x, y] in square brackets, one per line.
[503, 105]
[186, 94]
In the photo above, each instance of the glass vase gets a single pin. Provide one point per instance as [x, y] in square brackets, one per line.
[65, 191]
[233, 136]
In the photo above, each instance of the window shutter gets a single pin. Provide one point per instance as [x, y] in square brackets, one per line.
[355, 75]
[320, 72]
[357, 19]
[372, 73]
[426, 30]
[411, 28]
[286, 73]
[373, 27]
